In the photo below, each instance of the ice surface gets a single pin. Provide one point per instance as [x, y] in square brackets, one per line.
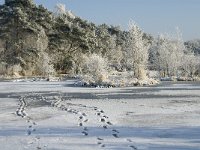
[60, 116]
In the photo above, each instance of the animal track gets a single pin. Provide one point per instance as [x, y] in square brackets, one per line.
[79, 110]
[115, 135]
[85, 133]
[22, 106]
[99, 139]
[109, 123]
[116, 131]
[22, 113]
[133, 147]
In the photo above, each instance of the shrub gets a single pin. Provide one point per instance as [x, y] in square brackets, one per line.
[96, 68]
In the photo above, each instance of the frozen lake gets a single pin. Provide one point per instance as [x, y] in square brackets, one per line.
[60, 116]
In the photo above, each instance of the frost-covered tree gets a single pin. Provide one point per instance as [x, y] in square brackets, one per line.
[45, 66]
[194, 46]
[161, 54]
[190, 64]
[179, 52]
[169, 52]
[136, 51]
[103, 39]
[114, 53]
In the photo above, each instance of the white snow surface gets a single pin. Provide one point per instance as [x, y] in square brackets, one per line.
[60, 116]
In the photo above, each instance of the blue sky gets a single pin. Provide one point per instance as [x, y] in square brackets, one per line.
[153, 16]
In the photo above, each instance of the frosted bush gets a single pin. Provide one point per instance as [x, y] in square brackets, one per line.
[95, 68]
[96, 72]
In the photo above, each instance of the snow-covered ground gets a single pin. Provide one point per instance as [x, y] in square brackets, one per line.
[58, 116]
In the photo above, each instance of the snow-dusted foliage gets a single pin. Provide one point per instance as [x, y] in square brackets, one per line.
[136, 52]
[190, 65]
[70, 14]
[45, 66]
[95, 68]
[114, 54]
[169, 54]
[193, 45]
[37, 41]
[60, 9]
[172, 58]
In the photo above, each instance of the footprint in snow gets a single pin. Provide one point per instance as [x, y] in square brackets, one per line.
[100, 139]
[116, 131]
[98, 114]
[102, 120]
[80, 124]
[115, 135]
[133, 147]
[109, 123]
[129, 140]
[29, 132]
[86, 120]
[103, 145]
[99, 143]
[105, 127]
[85, 133]
[85, 129]
[81, 117]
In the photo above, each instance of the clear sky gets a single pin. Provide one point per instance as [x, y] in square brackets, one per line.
[153, 16]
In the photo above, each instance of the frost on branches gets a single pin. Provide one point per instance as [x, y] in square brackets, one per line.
[60, 10]
[45, 66]
[171, 57]
[136, 52]
[94, 69]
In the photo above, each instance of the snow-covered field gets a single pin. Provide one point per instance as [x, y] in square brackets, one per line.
[58, 116]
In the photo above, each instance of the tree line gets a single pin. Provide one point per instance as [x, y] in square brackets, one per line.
[35, 41]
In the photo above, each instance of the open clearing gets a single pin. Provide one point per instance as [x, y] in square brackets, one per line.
[60, 116]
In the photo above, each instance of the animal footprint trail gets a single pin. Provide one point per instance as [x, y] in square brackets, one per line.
[31, 128]
[82, 120]
[107, 126]
[21, 112]
[100, 142]
[22, 106]
[60, 103]
[115, 133]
